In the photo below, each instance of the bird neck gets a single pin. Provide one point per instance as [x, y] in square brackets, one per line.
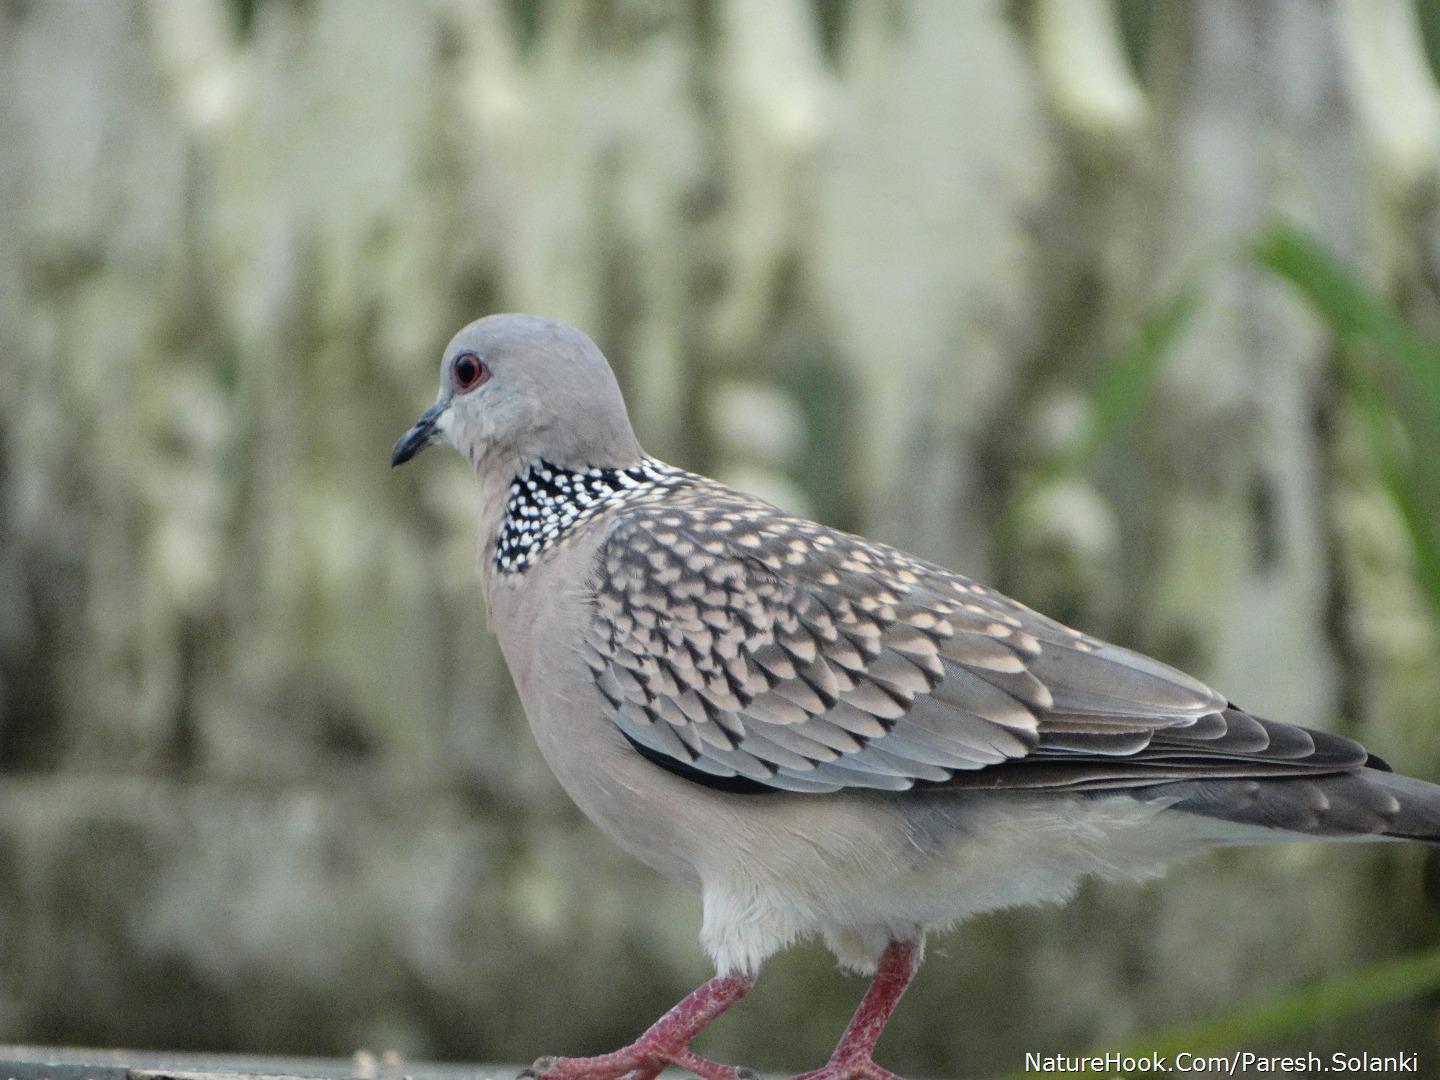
[547, 502]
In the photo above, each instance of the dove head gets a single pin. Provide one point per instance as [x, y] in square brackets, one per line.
[519, 388]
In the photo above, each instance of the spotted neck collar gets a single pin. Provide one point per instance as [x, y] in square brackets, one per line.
[547, 501]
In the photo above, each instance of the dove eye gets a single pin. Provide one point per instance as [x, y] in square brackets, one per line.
[469, 371]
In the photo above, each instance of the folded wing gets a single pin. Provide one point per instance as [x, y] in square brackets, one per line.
[738, 645]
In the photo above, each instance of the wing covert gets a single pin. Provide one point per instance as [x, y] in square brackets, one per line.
[738, 642]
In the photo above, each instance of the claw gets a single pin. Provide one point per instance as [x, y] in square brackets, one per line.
[854, 1069]
[667, 1042]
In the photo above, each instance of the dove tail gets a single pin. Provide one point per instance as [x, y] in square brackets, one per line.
[1370, 802]
[1419, 815]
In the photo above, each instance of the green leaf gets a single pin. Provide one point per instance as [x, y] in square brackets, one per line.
[1370, 330]
[1122, 386]
[1302, 1010]
[1294, 1013]
[1404, 479]
[1124, 380]
[1355, 313]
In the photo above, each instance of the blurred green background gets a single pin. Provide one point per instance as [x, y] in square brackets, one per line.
[1127, 308]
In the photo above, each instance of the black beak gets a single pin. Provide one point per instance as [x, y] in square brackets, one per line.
[420, 436]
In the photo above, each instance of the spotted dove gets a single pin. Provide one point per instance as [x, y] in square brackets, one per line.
[829, 736]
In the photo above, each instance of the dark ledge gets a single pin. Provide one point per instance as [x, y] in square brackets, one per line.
[53, 1063]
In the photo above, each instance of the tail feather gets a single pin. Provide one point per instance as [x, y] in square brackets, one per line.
[1369, 802]
[1419, 814]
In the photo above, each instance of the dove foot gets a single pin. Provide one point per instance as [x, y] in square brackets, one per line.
[666, 1043]
[851, 1059]
[635, 1062]
[853, 1069]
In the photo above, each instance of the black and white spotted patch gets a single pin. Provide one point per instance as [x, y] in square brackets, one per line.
[547, 501]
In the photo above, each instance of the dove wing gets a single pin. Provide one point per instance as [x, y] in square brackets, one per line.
[755, 651]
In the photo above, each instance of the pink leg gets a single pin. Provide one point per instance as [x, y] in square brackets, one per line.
[666, 1043]
[851, 1059]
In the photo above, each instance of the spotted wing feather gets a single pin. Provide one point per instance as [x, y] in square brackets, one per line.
[734, 642]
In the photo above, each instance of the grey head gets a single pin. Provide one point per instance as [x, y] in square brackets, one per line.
[521, 388]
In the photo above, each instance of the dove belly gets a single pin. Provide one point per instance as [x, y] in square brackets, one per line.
[889, 866]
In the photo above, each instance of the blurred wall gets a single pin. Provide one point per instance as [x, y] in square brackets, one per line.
[263, 782]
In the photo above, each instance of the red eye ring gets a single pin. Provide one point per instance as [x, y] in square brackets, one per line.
[468, 371]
